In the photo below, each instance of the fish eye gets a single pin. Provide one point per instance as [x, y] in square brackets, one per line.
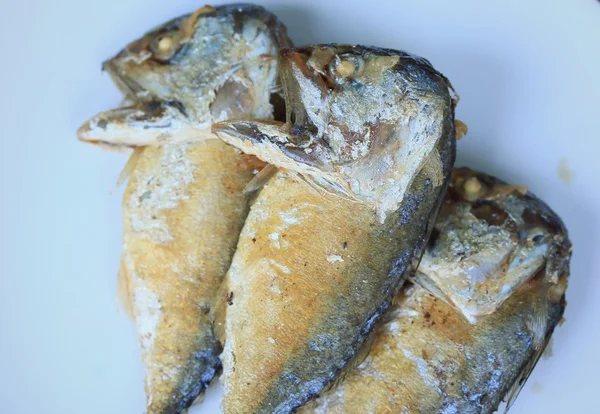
[536, 237]
[346, 67]
[472, 186]
[164, 46]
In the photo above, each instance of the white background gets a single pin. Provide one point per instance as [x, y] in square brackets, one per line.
[528, 73]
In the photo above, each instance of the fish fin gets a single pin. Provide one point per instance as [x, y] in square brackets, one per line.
[124, 290]
[361, 354]
[339, 187]
[424, 281]
[318, 188]
[541, 340]
[129, 166]
[327, 188]
[218, 310]
[433, 168]
[260, 179]
[519, 383]
[548, 351]
[538, 323]
[421, 279]
[306, 181]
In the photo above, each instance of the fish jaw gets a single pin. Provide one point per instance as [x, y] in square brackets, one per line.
[269, 141]
[367, 134]
[144, 124]
[489, 242]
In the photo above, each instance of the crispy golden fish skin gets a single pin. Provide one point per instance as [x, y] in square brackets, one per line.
[364, 161]
[184, 208]
[427, 357]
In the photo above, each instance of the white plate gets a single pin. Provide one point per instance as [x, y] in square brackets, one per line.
[528, 77]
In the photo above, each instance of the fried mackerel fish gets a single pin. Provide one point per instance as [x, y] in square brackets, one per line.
[183, 207]
[364, 158]
[500, 250]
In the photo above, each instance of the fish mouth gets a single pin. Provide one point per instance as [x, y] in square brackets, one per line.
[272, 141]
[128, 87]
[143, 119]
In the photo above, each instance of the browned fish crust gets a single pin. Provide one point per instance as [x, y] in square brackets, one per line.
[313, 273]
[183, 210]
[427, 358]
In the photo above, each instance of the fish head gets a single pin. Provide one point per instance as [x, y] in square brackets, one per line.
[490, 239]
[366, 119]
[208, 66]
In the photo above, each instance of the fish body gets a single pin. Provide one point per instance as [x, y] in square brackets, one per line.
[332, 236]
[183, 210]
[428, 356]
[184, 206]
